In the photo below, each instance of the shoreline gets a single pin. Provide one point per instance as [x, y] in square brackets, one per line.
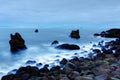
[105, 65]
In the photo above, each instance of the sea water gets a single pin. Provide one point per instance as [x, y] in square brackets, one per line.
[39, 46]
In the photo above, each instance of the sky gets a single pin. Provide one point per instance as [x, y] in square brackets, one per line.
[49, 13]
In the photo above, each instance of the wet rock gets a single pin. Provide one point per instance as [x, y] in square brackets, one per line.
[63, 61]
[25, 76]
[68, 46]
[45, 78]
[44, 71]
[34, 71]
[12, 72]
[83, 78]
[39, 64]
[8, 77]
[63, 77]
[114, 78]
[101, 77]
[97, 51]
[30, 62]
[55, 42]
[112, 33]
[36, 30]
[75, 34]
[69, 67]
[55, 70]
[51, 78]
[96, 34]
[73, 75]
[17, 43]
[35, 78]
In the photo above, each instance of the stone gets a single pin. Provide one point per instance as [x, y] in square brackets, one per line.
[73, 75]
[17, 43]
[12, 72]
[63, 61]
[68, 47]
[112, 33]
[8, 77]
[55, 42]
[36, 30]
[101, 77]
[83, 78]
[55, 70]
[30, 62]
[63, 77]
[31, 70]
[39, 64]
[25, 76]
[75, 34]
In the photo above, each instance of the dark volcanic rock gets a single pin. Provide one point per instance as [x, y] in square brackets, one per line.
[75, 34]
[112, 33]
[8, 77]
[55, 42]
[17, 43]
[36, 30]
[30, 62]
[68, 47]
[63, 61]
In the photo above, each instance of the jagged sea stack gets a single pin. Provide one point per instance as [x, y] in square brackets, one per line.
[17, 43]
[75, 34]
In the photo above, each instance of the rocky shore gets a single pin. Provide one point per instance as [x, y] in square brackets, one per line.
[101, 64]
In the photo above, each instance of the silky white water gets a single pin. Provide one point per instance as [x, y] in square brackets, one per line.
[39, 46]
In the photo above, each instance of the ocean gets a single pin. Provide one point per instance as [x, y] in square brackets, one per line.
[39, 46]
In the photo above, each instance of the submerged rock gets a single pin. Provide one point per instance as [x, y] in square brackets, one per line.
[75, 34]
[68, 46]
[17, 42]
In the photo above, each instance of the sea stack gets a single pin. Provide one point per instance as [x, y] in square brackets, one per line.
[36, 30]
[17, 43]
[75, 34]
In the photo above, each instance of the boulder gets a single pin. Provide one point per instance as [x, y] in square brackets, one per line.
[54, 42]
[112, 33]
[17, 43]
[30, 62]
[68, 47]
[36, 30]
[63, 61]
[75, 34]
[8, 77]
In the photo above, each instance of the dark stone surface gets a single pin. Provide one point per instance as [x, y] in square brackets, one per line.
[36, 30]
[112, 33]
[17, 43]
[75, 34]
[68, 46]
[63, 61]
[55, 42]
[30, 62]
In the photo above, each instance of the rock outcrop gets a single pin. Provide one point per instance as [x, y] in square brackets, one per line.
[68, 46]
[54, 42]
[75, 34]
[17, 43]
[112, 33]
[36, 30]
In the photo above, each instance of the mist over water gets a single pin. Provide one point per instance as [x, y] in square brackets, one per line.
[40, 48]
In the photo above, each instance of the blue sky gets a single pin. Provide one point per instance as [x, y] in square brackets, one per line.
[48, 13]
